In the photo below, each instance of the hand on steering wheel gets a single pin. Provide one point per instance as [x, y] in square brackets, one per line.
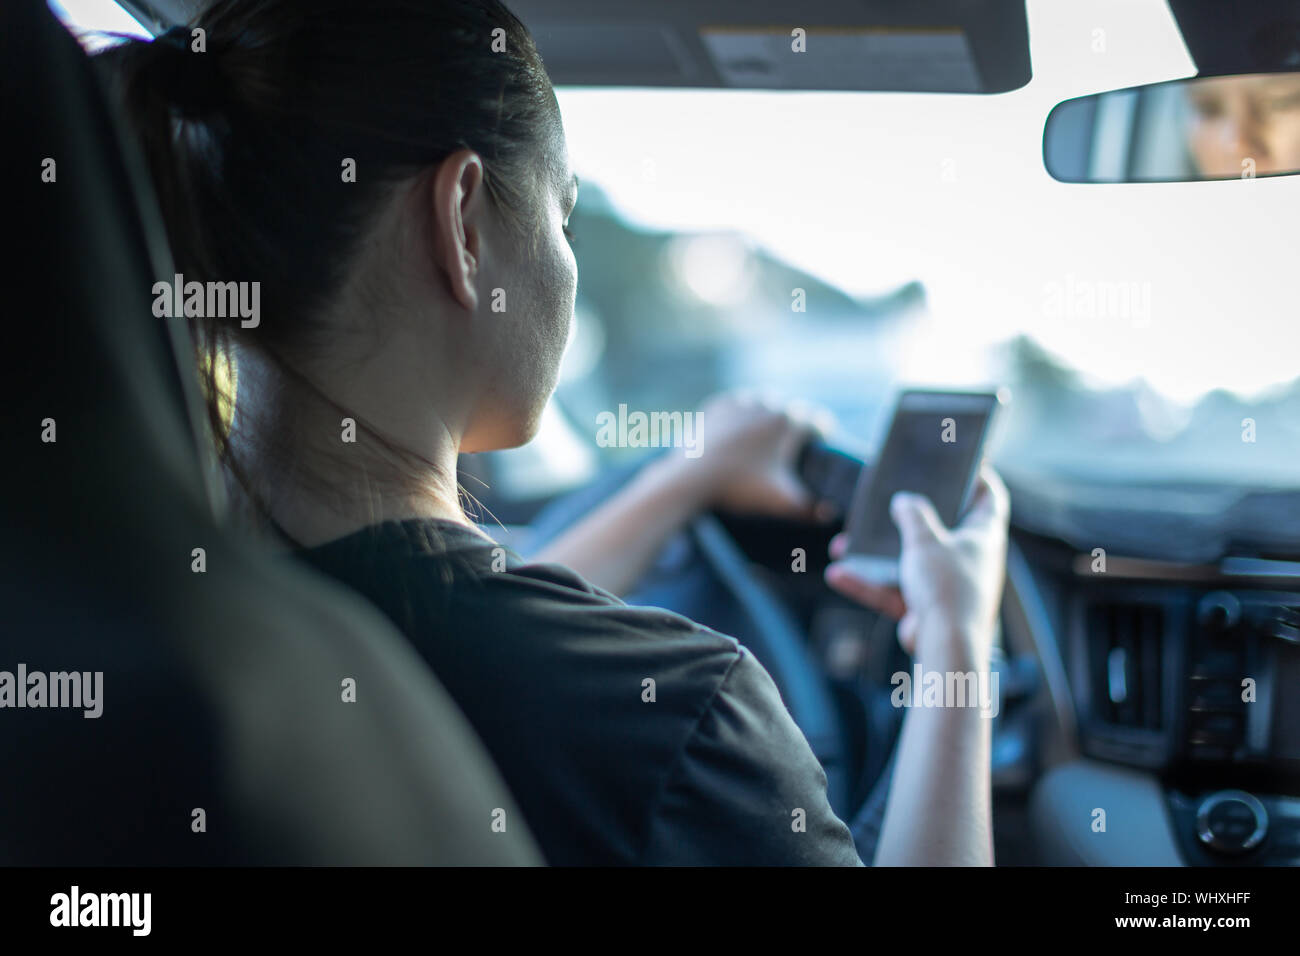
[750, 446]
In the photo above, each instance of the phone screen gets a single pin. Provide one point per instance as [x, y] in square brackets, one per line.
[932, 449]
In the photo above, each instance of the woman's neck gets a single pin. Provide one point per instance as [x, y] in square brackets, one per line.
[321, 468]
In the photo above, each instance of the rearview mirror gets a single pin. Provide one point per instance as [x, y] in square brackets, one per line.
[1204, 128]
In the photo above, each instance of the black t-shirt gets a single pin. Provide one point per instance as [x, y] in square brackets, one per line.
[702, 766]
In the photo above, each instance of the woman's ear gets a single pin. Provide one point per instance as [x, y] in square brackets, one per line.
[458, 205]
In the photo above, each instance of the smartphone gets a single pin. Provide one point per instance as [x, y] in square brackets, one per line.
[933, 448]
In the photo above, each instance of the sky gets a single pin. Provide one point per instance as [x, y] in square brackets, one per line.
[869, 191]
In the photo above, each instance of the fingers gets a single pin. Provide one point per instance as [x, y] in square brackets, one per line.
[916, 519]
[795, 433]
[907, 625]
[839, 545]
[887, 600]
[801, 422]
[811, 419]
[991, 504]
[803, 418]
[793, 496]
[996, 490]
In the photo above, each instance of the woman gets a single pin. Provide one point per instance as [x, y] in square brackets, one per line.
[395, 176]
[1244, 126]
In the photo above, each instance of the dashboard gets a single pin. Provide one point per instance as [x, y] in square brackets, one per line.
[1187, 675]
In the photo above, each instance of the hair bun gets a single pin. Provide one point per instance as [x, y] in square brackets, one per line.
[190, 80]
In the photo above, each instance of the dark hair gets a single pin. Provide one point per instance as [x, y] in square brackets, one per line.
[246, 141]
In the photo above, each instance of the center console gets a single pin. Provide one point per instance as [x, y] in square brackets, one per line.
[1193, 673]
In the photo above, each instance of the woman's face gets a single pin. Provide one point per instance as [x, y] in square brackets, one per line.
[529, 304]
[1245, 123]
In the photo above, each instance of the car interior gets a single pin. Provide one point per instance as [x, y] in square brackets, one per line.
[1149, 638]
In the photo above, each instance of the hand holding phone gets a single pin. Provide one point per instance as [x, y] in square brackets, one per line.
[947, 586]
[932, 449]
[950, 580]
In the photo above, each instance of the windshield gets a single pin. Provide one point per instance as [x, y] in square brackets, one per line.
[836, 247]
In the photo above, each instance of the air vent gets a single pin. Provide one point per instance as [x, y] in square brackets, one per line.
[1126, 643]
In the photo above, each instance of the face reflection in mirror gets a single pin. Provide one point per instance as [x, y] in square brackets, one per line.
[1244, 123]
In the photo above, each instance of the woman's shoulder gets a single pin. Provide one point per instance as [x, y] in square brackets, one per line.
[605, 718]
[447, 582]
